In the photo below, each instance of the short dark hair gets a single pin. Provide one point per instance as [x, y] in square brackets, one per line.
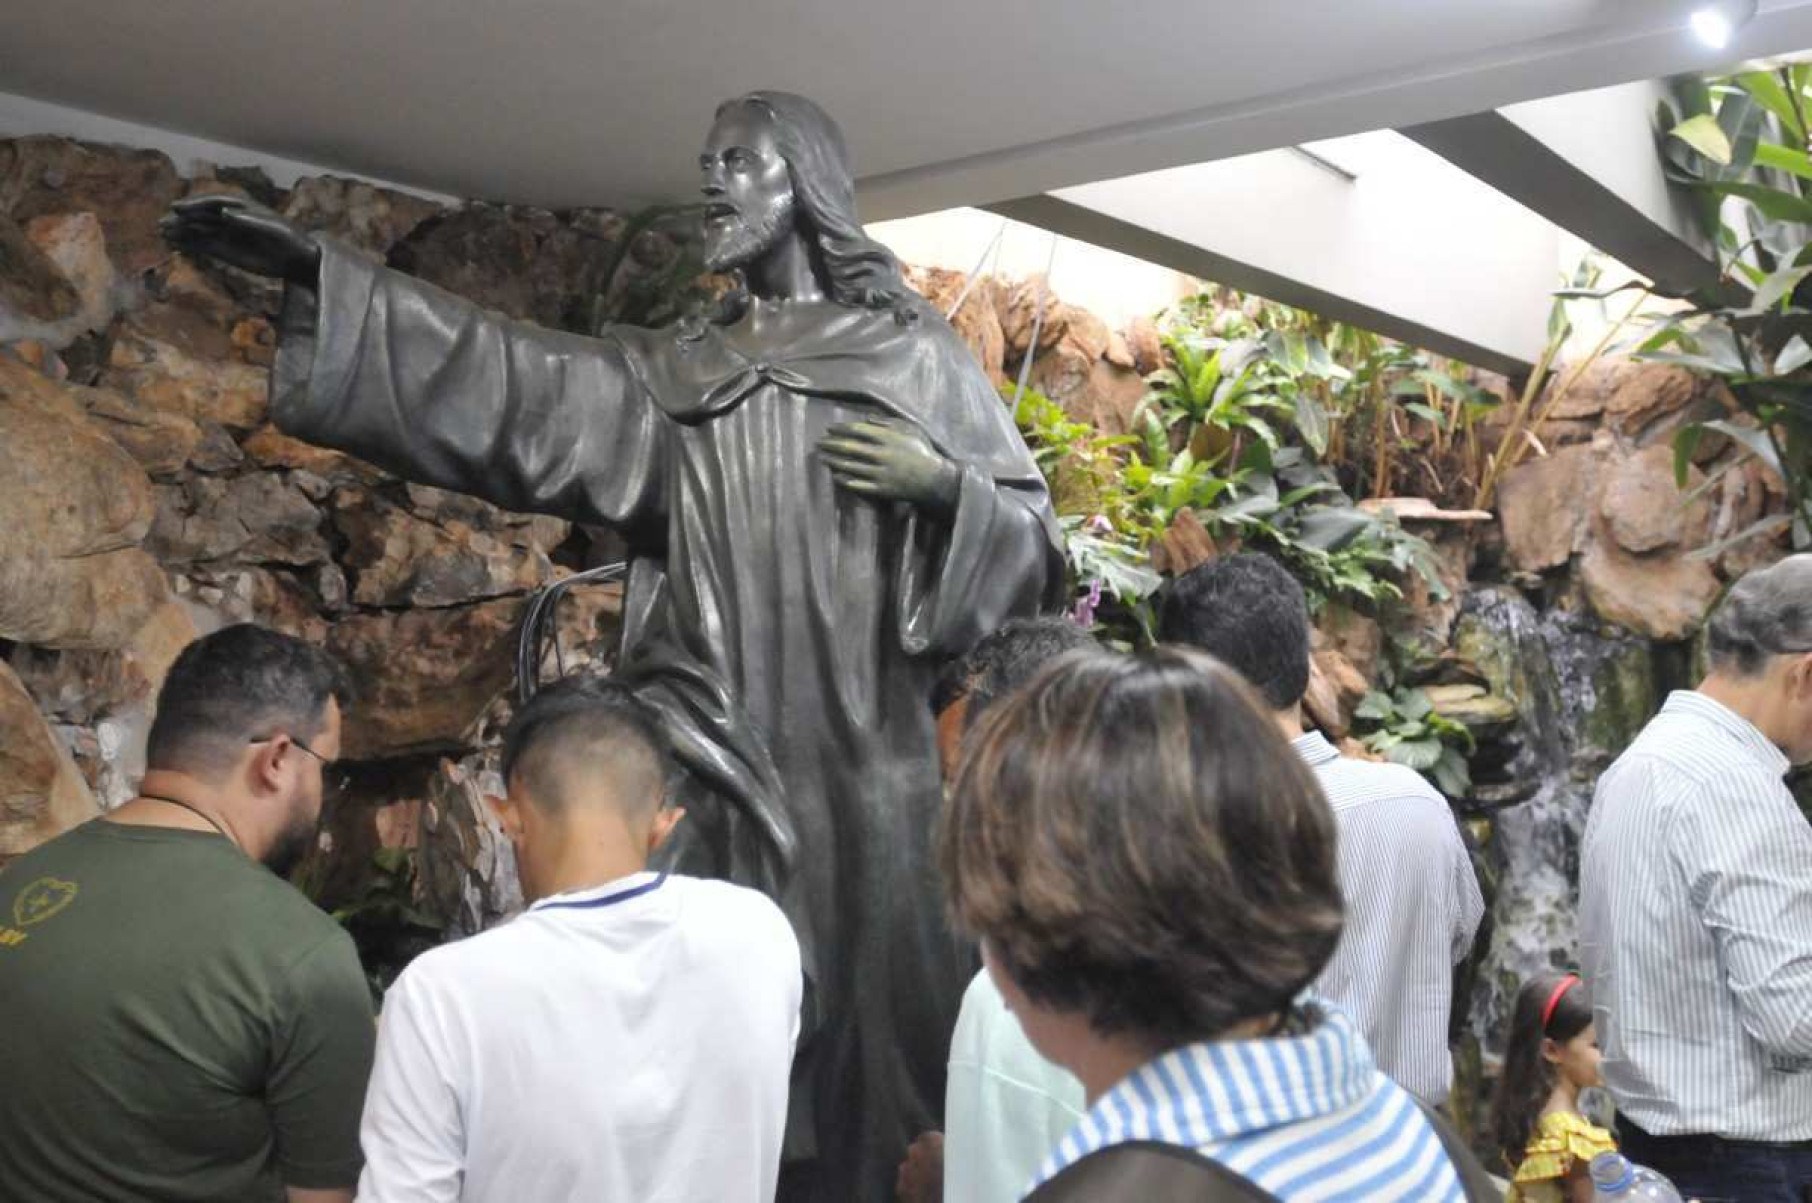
[1247, 612]
[587, 728]
[239, 684]
[1767, 613]
[1134, 840]
[1005, 659]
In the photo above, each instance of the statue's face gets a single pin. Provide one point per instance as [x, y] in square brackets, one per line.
[748, 193]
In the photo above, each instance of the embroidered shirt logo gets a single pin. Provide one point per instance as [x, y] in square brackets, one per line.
[41, 899]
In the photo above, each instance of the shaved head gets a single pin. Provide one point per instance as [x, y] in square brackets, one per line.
[587, 741]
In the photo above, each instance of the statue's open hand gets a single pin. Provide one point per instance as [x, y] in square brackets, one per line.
[244, 234]
[891, 462]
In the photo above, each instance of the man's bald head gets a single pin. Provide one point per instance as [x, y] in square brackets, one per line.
[586, 741]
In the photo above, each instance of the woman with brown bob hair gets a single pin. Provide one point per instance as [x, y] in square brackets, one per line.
[1150, 871]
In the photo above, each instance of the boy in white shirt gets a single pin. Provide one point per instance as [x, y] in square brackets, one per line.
[630, 1036]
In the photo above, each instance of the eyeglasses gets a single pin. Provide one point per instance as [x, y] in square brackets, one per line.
[334, 779]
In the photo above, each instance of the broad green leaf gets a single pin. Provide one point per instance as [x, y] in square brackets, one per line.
[1686, 441]
[1767, 89]
[1312, 423]
[1704, 135]
[1784, 158]
[1321, 362]
[1248, 510]
[1414, 704]
[1692, 93]
[1777, 287]
[1453, 389]
[1756, 441]
[1375, 706]
[1773, 203]
[1420, 754]
[1329, 528]
[1794, 356]
[1299, 495]
[1450, 775]
[1660, 340]
[1741, 120]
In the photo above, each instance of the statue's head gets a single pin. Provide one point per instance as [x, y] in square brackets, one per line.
[775, 163]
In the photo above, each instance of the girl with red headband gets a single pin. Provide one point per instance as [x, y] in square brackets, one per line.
[1551, 1056]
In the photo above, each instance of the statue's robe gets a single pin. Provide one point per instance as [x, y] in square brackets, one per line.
[788, 630]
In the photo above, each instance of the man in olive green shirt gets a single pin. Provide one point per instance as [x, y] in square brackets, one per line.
[177, 1022]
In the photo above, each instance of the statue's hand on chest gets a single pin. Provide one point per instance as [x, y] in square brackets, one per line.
[891, 461]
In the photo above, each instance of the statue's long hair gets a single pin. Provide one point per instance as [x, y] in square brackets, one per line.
[857, 269]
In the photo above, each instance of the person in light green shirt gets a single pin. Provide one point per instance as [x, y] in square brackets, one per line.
[1004, 1105]
[177, 1022]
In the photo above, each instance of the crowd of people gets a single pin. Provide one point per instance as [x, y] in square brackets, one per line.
[1216, 956]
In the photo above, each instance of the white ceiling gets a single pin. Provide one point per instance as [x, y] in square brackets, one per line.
[562, 102]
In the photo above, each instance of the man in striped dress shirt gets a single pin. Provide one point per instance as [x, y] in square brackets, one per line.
[1412, 900]
[1696, 911]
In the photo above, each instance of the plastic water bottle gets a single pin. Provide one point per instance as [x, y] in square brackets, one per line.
[1615, 1180]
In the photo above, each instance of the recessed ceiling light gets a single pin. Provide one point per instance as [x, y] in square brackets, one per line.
[1716, 23]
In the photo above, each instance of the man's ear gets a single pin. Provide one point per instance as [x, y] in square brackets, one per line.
[265, 762]
[1799, 676]
[665, 820]
[508, 817]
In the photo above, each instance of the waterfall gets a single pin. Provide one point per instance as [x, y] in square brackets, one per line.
[1581, 692]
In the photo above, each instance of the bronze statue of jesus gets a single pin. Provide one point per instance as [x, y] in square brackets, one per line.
[824, 500]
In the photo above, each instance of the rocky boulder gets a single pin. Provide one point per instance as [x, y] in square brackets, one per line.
[258, 517]
[976, 320]
[426, 676]
[127, 190]
[1090, 390]
[399, 558]
[42, 794]
[1663, 596]
[360, 214]
[75, 508]
[35, 299]
[525, 262]
[1542, 504]
[1644, 509]
[274, 597]
[160, 375]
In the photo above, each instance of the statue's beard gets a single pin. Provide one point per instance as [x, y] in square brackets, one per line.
[736, 241]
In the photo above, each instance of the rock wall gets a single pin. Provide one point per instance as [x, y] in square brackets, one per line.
[152, 501]
[149, 500]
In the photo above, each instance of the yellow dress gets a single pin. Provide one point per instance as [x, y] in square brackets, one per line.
[1562, 1140]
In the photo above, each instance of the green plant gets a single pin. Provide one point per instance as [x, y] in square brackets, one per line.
[1406, 729]
[1740, 144]
[1236, 432]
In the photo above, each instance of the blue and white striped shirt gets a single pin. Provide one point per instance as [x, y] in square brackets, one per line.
[1695, 924]
[1412, 909]
[1308, 1118]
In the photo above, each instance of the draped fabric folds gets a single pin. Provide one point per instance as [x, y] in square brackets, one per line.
[787, 631]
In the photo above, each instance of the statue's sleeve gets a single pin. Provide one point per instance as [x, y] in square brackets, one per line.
[999, 555]
[439, 391]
